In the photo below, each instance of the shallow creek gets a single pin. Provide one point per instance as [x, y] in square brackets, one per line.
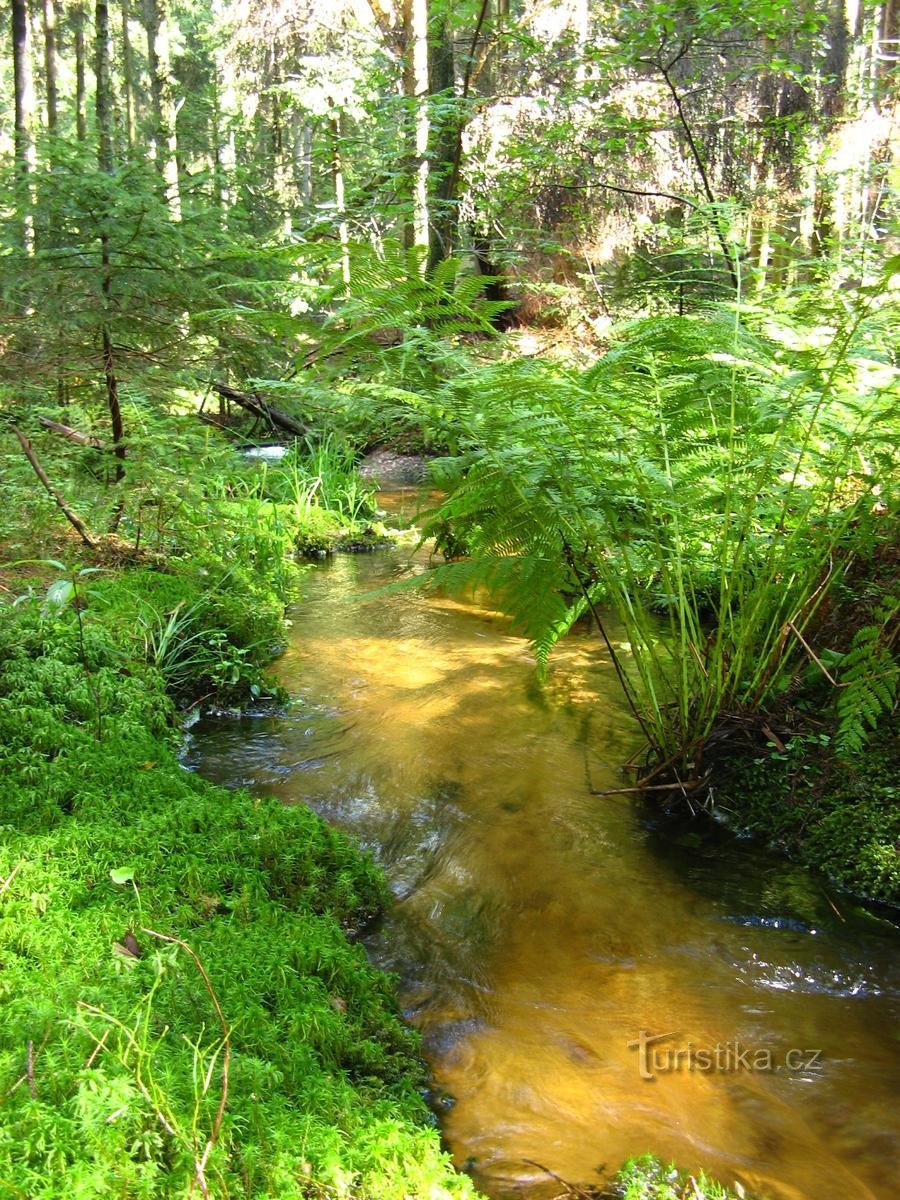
[539, 928]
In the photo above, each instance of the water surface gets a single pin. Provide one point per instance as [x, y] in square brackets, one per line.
[539, 928]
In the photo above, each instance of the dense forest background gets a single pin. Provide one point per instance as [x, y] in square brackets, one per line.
[593, 160]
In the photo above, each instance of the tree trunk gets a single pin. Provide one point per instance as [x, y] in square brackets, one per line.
[105, 161]
[444, 130]
[50, 64]
[224, 148]
[255, 404]
[24, 120]
[164, 109]
[301, 130]
[80, 88]
[128, 77]
[337, 175]
[70, 515]
[415, 89]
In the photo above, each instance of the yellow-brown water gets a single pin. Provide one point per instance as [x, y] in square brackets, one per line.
[539, 928]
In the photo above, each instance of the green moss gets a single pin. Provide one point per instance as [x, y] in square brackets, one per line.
[111, 1066]
[838, 815]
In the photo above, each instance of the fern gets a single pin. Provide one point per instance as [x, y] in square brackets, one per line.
[700, 479]
[869, 679]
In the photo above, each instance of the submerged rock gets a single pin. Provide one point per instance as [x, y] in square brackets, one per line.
[386, 466]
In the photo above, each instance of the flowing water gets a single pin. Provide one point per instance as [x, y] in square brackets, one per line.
[540, 928]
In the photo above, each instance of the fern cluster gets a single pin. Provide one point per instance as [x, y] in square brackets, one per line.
[705, 479]
[869, 678]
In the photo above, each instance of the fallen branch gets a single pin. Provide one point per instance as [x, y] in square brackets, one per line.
[254, 403]
[8, 880]
[812, 654]
[685, 787]
[74, 520]
[572, 1189]
[74, 435]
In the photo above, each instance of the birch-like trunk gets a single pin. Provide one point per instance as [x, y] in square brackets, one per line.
[78, 18]
[23, 86]
[128, 77]
[49, 11]
[106, 163]
[340, 203]
[415, 89]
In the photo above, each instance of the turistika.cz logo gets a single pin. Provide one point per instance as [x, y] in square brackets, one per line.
[655, 1057]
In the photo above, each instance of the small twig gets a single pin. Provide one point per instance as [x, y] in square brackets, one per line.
[653, 787]
[698, 658]
[774, 739]
[29, 1069]
[571, 1188]
[625, 191]
[833, 906]
[97, 1048]
[74, 520]
[812, 654]
[73, 435]
[11, 876]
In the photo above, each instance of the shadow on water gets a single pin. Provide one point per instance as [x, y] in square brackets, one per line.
[539, 929]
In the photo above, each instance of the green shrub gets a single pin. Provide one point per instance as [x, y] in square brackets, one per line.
[647, 1178]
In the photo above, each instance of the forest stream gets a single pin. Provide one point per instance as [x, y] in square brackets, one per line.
[539, 928]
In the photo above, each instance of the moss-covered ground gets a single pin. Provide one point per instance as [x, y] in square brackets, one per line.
[281, 1068]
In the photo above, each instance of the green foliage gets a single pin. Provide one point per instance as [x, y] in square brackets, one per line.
[181, 300]
[393, 333]
[648, 1178]
[708, 479]
[868, 675]
[104, 841]
[320, 475]
[838, 815]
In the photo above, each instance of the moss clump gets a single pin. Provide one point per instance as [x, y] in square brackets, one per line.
[839, 815]
[112, 1055]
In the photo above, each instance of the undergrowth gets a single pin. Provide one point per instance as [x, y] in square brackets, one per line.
[648, 1178]
[839, 815]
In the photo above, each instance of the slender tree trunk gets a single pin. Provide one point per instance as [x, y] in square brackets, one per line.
[716, 218]
[302, 153]
[225, 149]
[337, 175]
[443, 132]
[128, 77]
[215, 120]
[80, 87]
[50, 64]
[164, 110]
[283, 190]
[415, 89]
[106, 163]
[24, 120]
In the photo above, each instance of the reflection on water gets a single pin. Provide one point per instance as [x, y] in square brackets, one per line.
[538, 929]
